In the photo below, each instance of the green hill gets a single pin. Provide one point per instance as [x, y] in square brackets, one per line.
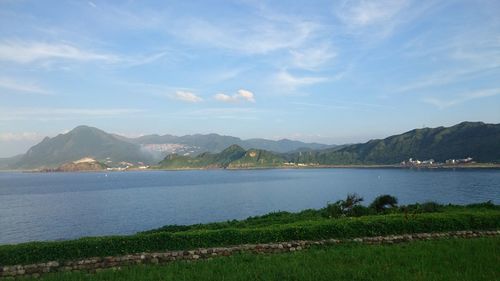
[468, 139]
[231, 157]
[83, 141]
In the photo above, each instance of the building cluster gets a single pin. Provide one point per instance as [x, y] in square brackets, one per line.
[430, 162]
[459, 161]
[416, 162]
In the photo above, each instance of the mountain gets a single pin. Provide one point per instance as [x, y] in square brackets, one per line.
[6, 163]
[214, 143]
[83, 141]
[204, 160]
[232, 157]
[468, 139]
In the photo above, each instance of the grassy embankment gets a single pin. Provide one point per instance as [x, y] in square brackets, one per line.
[343, 219]
[454, 259]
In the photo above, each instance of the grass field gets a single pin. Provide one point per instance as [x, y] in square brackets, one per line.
[454, 259]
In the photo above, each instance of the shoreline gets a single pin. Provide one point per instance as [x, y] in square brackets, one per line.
[476, 166]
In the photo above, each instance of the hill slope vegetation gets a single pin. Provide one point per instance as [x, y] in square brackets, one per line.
[468, 139]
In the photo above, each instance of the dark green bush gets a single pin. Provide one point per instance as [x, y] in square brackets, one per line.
[345, 207]
[333, 210]
[308, 229]
[382, 202]
[360, 210]
[485, 205]
[426, 207]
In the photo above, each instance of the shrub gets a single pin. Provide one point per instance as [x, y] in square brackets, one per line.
[333, 210]
[382, 202]
[360, 210]
[305, 230]
[426, 207]
[484, 205]
[344, 207]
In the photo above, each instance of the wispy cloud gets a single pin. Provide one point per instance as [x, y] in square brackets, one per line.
[234, 113]
[241, 95]
[322, 106]
[25, 113]
[361, 13]
[462, 59]
[259, 37]
[23, 136]
[380, 19]
[290, 82]
[143, 59]
[28, 52]
[465, 97]
[22, 87]
[187, 96]
[312, 58]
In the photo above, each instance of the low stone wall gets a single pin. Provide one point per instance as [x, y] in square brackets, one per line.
[99, 263]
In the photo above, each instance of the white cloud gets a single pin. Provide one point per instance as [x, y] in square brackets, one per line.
[246, 95]
[250, 38]
[224, 97]
[141, 60]
[290, 82]
[312, 58]
[378, 19]
[24, 87]
[442, 104]
[360, 13]
[28, 52]
[242, 94]
[187, 96]
[23, 136]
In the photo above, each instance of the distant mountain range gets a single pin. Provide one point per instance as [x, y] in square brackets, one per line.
[468, 139]
[196, 144]
[115, 150]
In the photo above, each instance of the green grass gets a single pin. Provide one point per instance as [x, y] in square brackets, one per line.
[280, 218]
[271, 228]
[453, 259]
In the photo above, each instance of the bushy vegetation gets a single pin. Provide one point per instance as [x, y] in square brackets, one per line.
[454, 259]
[307, 225]
[384, 202]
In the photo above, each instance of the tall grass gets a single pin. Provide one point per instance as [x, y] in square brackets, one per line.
[455, 259]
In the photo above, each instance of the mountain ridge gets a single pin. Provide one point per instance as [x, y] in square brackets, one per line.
[467, 139]
[478, 140]
[111, 149]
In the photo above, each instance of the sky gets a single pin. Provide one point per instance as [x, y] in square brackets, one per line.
[318, 71]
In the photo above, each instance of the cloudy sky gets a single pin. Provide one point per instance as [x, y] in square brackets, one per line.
[324, 71]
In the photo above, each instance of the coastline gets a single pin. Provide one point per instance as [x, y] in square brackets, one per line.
[284, 167]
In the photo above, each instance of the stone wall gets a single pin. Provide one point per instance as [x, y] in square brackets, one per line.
[99, 263]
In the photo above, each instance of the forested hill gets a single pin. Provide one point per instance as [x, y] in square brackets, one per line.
[468, 139]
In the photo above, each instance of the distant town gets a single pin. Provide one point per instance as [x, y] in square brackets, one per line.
[430, 162]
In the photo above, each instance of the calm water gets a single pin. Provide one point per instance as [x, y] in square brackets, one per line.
[50, 206]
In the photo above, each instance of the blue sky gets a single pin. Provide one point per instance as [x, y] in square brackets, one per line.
[324, 71]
